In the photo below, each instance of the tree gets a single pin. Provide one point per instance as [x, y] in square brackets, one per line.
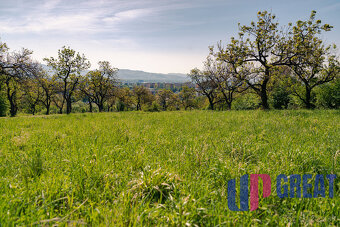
[125, 98]
[164, 97]
[328, 95]
[3, 55]
[142, 96]
[224, 76]
[187, 97]
[48, 86]
[99, 84]
[84, 88]
[32, 93]
[16, 67]
[68, 67]
[206, 85]
[313, 63]
[265, 48]
[58, 98]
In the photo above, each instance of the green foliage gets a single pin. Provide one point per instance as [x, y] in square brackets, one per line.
[3, 105]
[328, 96]
[120, 106]
[154, 107]
[247, 101]
[281, 98]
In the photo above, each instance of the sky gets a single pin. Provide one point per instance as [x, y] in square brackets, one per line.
[161, 36]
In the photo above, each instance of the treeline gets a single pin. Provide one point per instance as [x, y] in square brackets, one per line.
[266, 67]
[282, 67]
[26, 86]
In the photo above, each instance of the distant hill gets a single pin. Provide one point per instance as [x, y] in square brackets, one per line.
[127, 75]
[136, 75]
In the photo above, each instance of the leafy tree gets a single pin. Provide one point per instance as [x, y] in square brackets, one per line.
[68, 67]
[48, 86]
[125, 99]
[58, 97]
[99, 84]
[264, 49]
[142, 96]
[187, 97]
[164, 97]
[16, 67]
[328, 95]
[313, 63]
[32, 94]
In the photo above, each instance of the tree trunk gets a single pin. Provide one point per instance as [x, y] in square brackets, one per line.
[11, 98]
[229, 105]
[308, 103]
[91, 107]
[48, 108]
[263, 94]
[211, 103]
[100, 107]
[33, 109]
[68, 106]
[13, 108]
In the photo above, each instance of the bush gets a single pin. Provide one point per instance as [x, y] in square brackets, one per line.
[154, 107]
[3, 106]
[281, 98]
[328, 96]
[120, 106]
[247, 101]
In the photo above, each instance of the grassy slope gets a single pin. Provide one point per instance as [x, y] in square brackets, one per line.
[110, 168]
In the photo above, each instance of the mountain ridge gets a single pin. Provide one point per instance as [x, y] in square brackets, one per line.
[129, 75]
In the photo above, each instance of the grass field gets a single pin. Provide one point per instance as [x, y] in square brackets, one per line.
[167, 168]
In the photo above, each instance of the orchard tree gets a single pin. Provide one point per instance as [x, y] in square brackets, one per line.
[100, 83]
[58, 97]
[206, 85]
[313, 62]
[68, 67]
[15, 68]
[48, 86]
[164, 97]
[125, 98]
[223, 75]
[264, 48]
[32, 94]
[142, 96]
[187, 97]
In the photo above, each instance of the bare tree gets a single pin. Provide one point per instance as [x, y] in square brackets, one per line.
[206, 85]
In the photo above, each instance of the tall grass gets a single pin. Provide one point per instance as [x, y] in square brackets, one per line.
[167, 168]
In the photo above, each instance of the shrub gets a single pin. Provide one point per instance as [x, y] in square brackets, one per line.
[3, 106]
[328, 96]
[154, 107]
[120, 106]
[247, 101]
[281, 98]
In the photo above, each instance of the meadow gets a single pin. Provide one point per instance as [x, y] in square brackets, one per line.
[163, 168]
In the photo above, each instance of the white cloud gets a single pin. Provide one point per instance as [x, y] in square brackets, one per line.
[128, 15]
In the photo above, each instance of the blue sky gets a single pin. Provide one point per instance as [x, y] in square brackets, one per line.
[166, 36]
